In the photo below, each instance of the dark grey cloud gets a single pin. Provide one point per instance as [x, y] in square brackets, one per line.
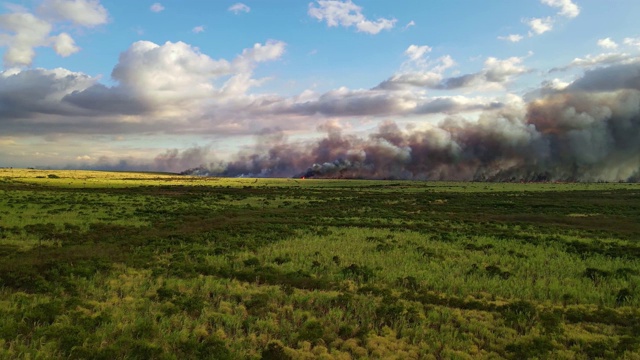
[103, 100]
[626, 76]
[453, 105]
[25, 94]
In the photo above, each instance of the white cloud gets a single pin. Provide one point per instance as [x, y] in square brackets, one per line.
[86, 13]
[540, 25]
[21, 31]
[632, 42]
[511, 38]
[415, 52]
[173, 70]
[238, 8]
[198, 29]
[607, 43]
[347, 102]
[567, 7]
[347, 14]
[172, 79]
[169, 87]
[402, 81]
[157, 7]
[500, 71]
[409, 24]
[64, 45]
[376, 102]
[418, 71]
[271, 50]
[556, 84]
[590, 61]
[495, 73]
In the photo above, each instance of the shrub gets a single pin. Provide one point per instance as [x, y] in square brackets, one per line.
[275, 351]
[623, 296]
[210, 348]
[538, 347]
[250, 262]
[357, 272]
[596, 274]
[311, 331]
[551, 322]
[520, 315]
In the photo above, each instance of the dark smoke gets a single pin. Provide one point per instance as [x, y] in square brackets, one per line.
[172, 161]
[588, 132]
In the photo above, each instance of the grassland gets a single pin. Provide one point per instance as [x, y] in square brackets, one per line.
[100, 265]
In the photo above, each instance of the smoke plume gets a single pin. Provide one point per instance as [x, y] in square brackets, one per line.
[590, 131]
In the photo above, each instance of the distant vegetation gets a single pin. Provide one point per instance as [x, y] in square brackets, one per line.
[97, 265]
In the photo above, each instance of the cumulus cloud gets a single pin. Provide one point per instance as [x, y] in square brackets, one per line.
[271, 50]
[500, 71]
[32, 101]
[156, 7]
[415, 52]
[347, 102]
[87, 13]
[418, 70]
[632, 42]
[567, 7]
[607, 43]
[347, 14]
[198, 29]
[172, 86]
[21, 34]
[344, 102]
[547, 87]
[238, 8]
[608, 79]
[152, 76]
[590, 61]
[539, 26]
[64, 45]
[21, 31]
[495, 71]
[428, 79]
[511, 38]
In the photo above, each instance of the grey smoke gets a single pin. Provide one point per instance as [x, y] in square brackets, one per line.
[172, 160]
[588, 132]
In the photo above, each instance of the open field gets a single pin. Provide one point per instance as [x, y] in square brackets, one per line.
[98, 265]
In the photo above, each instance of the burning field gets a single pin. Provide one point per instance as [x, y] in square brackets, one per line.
[586, 131]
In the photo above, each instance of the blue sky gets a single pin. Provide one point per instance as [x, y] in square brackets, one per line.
[91, 83]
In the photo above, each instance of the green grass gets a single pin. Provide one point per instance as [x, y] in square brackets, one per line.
[157, 266]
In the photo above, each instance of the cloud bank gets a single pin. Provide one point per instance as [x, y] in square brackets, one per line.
[347, 14]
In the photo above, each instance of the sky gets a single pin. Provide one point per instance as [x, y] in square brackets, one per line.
[178, 84]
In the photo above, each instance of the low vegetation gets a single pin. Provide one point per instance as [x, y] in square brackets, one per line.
[155, 266]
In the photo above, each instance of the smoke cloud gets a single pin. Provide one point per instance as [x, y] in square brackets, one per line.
[588, 131]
